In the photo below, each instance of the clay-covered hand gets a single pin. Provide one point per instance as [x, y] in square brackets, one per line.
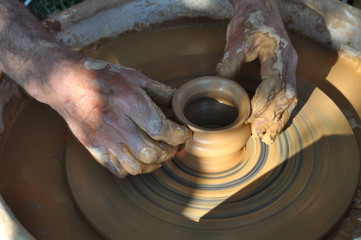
[109, 109]
[257, 31]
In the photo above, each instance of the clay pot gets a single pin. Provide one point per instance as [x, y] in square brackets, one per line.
[215, 109]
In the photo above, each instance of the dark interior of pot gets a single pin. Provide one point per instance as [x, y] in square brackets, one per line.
[210, 113]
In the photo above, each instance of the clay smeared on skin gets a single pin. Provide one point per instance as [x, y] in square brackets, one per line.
[96, 65]
[272, 42]
[146, 138]
[160, 93]
[106, 159]
[256, 31]
[154, 153]
[112, 115]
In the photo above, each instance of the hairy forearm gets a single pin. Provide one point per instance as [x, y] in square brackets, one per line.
[28, 53]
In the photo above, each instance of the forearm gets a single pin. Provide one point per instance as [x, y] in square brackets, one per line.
[28, 53]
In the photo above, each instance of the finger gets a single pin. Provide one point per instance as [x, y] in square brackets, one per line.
[159, 92]
[231, 62]
[272, 114]
[100, 154]
[155, 151]
[289, 95]
[271, 72]
[106, 159]
[290, 68]
[146, 149]
[276, 93]
[274, 130]
[276, 112]
[172, 133]
[259, 126]
[153, 121]
[142, 146]
[264, 95]
[129, 162]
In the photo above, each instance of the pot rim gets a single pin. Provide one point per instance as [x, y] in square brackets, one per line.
[228, 89]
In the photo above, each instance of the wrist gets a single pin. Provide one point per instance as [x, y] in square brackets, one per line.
[61, 81]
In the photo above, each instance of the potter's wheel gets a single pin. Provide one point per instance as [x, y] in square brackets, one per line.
[34, 185]
[297, 188]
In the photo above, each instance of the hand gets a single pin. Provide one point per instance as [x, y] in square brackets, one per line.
[257, 31]
[106, 106]
[108, 109]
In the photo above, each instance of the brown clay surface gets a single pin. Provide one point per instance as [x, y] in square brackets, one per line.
[304, 181]
[32, 176]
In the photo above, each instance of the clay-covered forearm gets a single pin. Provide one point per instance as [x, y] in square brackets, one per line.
[28, 53]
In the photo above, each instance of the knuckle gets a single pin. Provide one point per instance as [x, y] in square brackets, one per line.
[156, 130]
[125, 160]
[131, 168]
[149, 155]
[99, 153]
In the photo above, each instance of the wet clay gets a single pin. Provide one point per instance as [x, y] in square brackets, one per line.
[33, 181]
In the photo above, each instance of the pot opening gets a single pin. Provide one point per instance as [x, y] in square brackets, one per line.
[210, 113]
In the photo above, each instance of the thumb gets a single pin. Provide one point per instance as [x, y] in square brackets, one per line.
[265, 93]
[159, 92]
[231, 63]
